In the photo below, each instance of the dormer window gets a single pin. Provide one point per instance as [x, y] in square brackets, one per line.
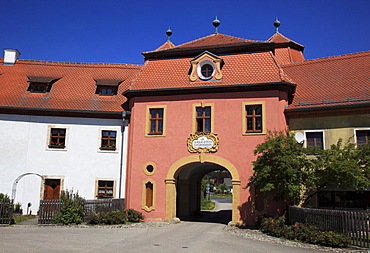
[107, 87]
[40, 84]
[107, 90]
[206, 67]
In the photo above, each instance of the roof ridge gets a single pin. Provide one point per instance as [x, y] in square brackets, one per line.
[284, 37]
[282, 75]
[218, 34]
[133, 80]
[25, 61]
[358, 54]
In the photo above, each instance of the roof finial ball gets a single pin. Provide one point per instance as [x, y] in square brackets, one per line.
[169, 33]
[216, 23]
[277, 24]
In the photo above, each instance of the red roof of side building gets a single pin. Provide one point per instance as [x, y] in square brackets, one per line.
[330, 82]
[73, 91]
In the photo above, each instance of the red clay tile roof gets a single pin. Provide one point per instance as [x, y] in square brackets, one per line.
[218, 39]
[287, 50]
[259, 67]
[166, 45]
[340, 80]
[213, 40]
[215, 43]
[279, 38]
[74, 91]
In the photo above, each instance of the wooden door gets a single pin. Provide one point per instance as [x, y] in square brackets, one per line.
[52, 189]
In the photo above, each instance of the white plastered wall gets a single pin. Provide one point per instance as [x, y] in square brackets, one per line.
[24, 148]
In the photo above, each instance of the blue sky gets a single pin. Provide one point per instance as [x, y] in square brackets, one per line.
[117, 31]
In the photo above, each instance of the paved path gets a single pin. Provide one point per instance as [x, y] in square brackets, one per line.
[189, 237]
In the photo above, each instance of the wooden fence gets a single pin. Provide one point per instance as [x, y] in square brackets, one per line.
[6, 212]
[355, 224]
[48, 208]
[94, 206]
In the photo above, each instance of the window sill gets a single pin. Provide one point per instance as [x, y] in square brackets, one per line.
[57, 147]
[112, 149]
[104, 197]
[154, 135]
[253, 133]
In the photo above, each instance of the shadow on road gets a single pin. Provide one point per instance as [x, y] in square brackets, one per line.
[222, 216]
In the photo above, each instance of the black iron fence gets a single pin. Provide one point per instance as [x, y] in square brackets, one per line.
[355, 224]
[49, 208]
[6, 212]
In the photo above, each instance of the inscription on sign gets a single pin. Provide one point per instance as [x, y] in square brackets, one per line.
[203, 143]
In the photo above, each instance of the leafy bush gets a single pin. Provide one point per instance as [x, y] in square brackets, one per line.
[116, 217]
[303, 233]
[134, 216]
[71, 210]
[206, 204]
[18, 208]
[113, 217]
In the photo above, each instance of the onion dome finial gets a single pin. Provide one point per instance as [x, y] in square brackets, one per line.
[216, 23]
[277, 24]
[169, 33]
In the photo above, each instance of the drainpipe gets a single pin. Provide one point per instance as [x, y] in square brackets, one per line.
[123, 162]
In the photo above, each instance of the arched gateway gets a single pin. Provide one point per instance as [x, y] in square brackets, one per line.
[195, 166]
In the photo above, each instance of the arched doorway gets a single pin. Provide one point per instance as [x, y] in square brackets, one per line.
[183, 182]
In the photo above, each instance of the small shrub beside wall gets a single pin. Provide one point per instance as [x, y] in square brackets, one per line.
[71, 210]
[303, 233]
[116, 217]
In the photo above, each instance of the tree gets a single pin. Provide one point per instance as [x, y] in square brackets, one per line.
[284, 170]
[281, 167]
[342, 166]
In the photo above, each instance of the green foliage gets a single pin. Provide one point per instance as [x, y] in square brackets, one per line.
[19, 218]
[113, 217]
[281, 167]
[223, 196]
[71, 210]
[116, 217]
[284, 170]
[18, 208]
[303, 233]
[222, 188]
[206, 204]
[134, 216]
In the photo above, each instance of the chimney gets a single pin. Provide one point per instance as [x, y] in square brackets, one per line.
[11, 56]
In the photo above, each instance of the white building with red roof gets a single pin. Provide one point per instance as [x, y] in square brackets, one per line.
[64, 122]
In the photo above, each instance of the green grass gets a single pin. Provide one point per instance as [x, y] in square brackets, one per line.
[19, 218]
[206, 204]
[226, 196]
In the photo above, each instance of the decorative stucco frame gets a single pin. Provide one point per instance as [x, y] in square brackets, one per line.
[206, 56]
[202, 157]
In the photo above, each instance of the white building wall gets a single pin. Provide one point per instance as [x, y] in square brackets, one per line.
[24, 148]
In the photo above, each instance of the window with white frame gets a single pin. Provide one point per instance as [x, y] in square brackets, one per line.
[57, 138]
[315, 139]
[108, 140]
[362, 137]
[105, 189]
